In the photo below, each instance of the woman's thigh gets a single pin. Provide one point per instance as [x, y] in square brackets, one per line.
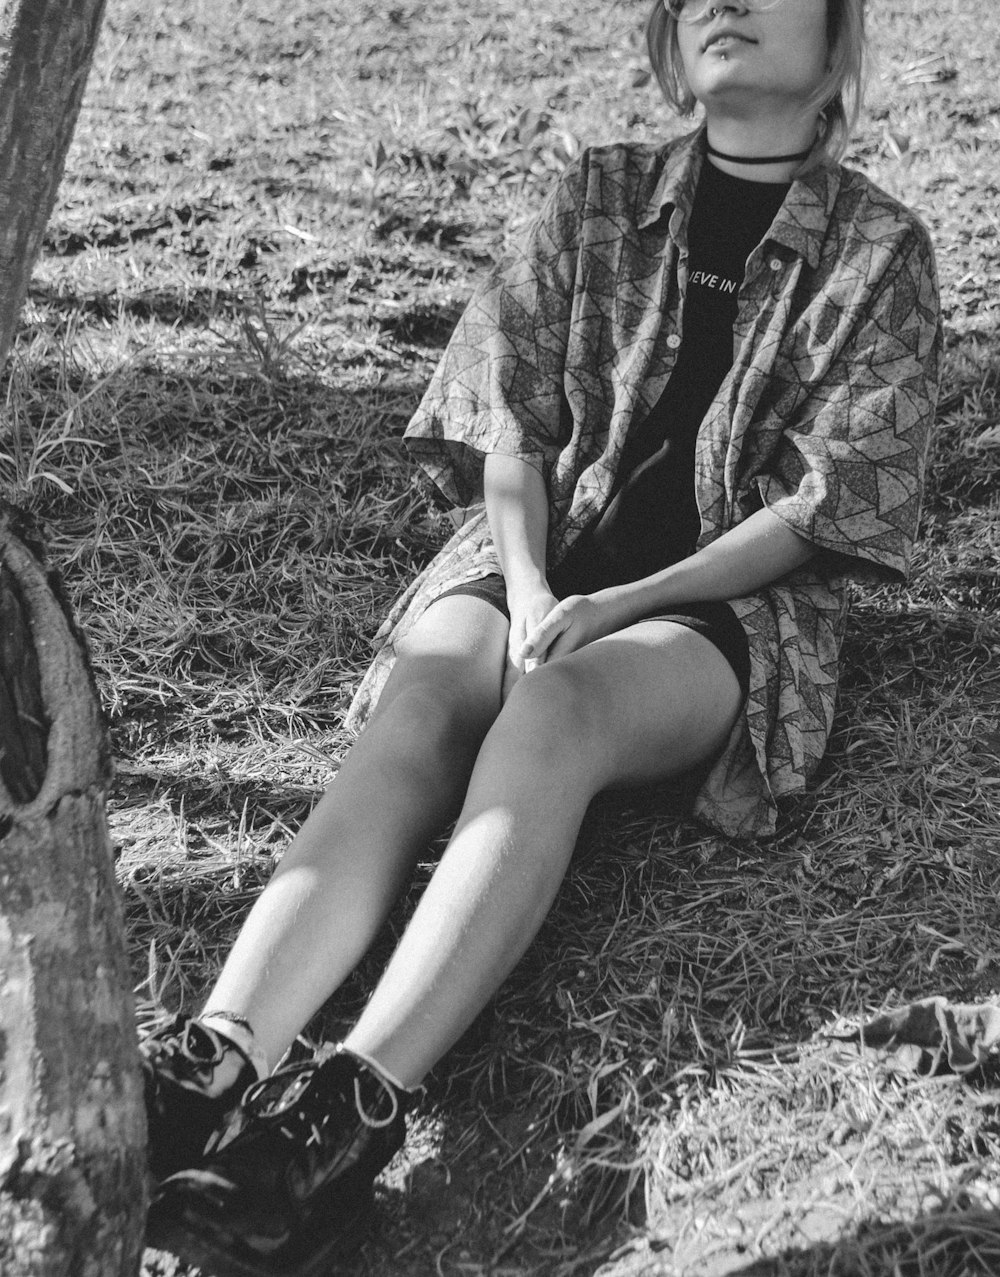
[636, 707]
[452, 661]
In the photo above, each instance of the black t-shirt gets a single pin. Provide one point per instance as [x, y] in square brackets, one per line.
[652, 517]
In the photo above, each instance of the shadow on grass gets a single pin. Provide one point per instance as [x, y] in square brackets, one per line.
[231, 526]
[193, 306]
[964, 466]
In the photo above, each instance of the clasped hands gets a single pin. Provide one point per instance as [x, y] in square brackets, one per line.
[543, 628]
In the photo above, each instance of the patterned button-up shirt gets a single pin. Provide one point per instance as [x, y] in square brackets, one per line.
[823, 418]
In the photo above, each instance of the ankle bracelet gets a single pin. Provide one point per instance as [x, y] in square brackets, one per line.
[230, 1017]
[246, 1046]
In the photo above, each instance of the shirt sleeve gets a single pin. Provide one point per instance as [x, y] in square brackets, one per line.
[500, 384]
[848, 471]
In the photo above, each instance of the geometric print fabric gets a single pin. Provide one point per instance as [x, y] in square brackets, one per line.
[824, 416]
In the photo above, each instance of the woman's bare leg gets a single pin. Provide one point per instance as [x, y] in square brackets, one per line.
[632, 708]
[397, 787]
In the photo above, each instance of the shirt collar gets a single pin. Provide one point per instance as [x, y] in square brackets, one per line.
[801, 223]
[678, 181]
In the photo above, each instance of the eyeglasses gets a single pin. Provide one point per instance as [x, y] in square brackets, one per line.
[696, 10]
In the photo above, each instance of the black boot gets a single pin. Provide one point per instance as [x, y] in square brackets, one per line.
[293, 1191]
[184, 1107]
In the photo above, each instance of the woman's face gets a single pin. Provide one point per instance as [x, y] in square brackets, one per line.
[735, 56]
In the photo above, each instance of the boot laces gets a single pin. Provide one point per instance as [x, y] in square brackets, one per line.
[295, 1101]
[184, 1050]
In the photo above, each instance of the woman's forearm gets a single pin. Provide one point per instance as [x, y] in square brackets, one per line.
[758, 551]
[751, 555]
[517, 507]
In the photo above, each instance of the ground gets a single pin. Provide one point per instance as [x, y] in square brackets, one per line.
[271, 217]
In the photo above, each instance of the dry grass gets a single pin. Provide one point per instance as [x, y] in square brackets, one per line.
[271, 218]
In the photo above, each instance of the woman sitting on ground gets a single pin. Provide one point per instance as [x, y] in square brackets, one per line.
[691, 404]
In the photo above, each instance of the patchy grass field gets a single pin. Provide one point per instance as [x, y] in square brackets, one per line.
[271, 218]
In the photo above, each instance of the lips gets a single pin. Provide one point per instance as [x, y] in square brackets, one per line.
[725, 33]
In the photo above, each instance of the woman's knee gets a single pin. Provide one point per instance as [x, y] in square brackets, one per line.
[558, 713]
[442, 713]
[450, 666]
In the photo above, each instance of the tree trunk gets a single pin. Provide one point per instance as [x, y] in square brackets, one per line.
[46, 48]
[72, 1129]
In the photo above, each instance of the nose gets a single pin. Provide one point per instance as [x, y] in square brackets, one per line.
[693, 11]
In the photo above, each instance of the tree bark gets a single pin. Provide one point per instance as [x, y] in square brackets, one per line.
[72, 1127]
[46, 47]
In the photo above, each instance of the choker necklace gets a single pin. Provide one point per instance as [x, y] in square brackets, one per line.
[757, 159]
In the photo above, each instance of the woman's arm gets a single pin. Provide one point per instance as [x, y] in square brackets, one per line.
[751, 555]
[754, 553]
[517, 507]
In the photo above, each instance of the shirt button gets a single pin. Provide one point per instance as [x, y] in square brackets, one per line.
[775, 263]
[673, 341]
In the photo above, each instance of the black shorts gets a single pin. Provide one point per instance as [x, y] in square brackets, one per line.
[715, 621]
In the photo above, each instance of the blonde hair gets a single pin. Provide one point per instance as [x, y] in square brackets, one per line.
[838, 96]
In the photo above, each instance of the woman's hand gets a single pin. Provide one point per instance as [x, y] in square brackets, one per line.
[571, 624]
[527, 611]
